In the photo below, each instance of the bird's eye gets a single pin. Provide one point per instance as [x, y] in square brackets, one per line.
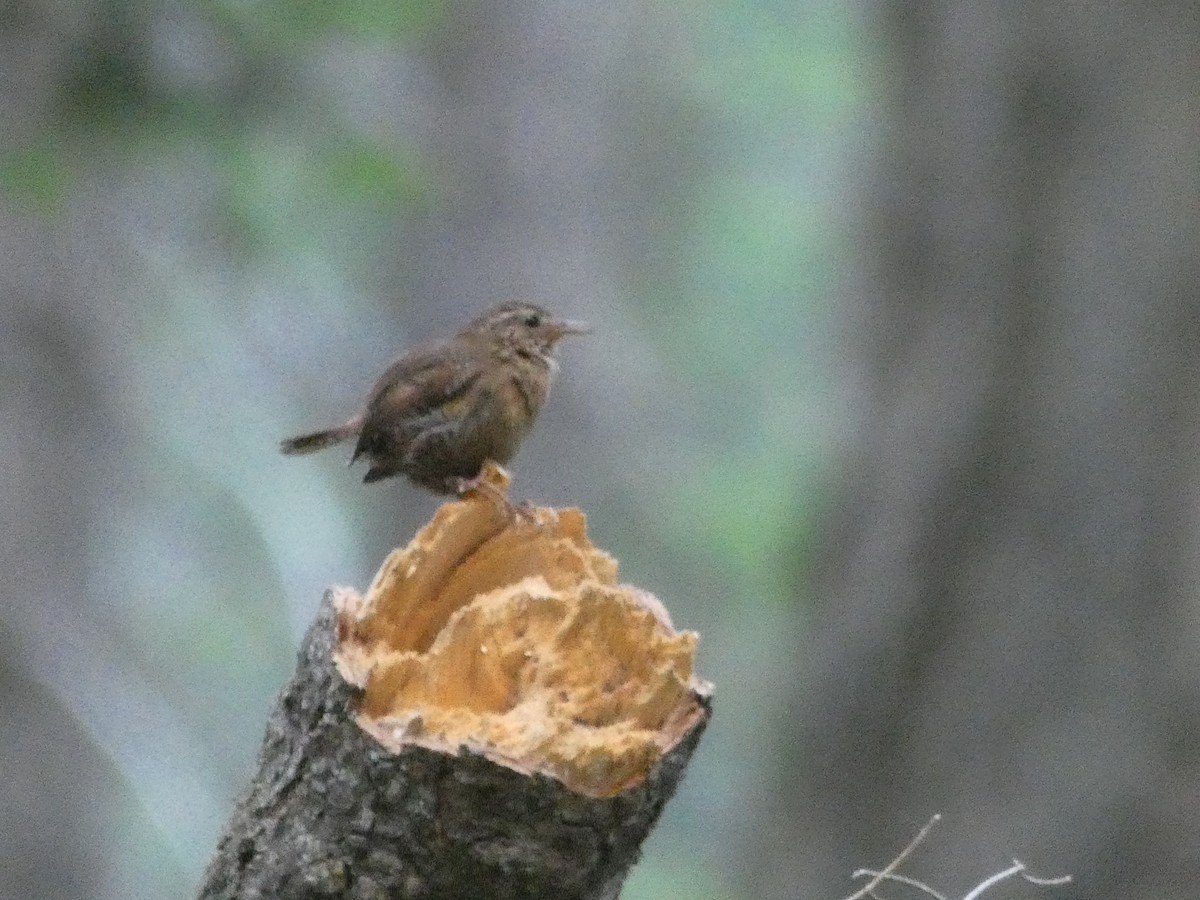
[533, 320]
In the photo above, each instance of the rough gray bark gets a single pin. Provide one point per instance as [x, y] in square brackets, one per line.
[332, 814]
[1009, 633]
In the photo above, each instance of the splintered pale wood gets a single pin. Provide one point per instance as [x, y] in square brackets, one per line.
[513, 638]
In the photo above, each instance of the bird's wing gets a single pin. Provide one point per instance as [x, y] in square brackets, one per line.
[420, 382]
[413, 386]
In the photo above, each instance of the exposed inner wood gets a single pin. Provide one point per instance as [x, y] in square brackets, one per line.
[511, 636]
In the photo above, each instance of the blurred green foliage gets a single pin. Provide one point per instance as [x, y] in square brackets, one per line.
[34, 177]
[312, 19]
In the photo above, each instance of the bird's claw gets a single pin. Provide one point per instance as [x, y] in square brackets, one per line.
[485, 489]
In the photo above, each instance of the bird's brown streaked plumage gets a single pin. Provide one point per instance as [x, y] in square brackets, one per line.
[440, 411]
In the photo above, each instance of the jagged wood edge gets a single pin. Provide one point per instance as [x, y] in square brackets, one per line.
[330, 813]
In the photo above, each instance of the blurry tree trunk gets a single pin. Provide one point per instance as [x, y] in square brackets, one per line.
[563, 135]
[1009, 630]
[54, 447]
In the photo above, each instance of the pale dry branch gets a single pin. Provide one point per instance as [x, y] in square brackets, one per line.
[896, 863]
[1017, 868]
[889, 874]
[990, 881]
[900, 879]
[1042, 882]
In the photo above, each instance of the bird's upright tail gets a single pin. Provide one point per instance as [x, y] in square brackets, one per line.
[319, 440]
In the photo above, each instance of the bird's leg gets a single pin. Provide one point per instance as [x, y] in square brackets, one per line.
[479, 487]
[492, 483]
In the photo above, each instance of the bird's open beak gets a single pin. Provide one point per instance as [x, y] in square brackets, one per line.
[559, 328]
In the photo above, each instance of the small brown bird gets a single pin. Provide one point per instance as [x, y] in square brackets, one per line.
[440, 411]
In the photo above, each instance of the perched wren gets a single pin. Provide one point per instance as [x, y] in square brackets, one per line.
[441, 410]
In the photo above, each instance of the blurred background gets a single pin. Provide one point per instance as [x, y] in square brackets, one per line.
[892, 396]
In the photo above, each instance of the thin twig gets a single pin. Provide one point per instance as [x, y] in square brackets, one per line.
[1043, 882]
[895, 863]
[978, 890]
[1017, 868]
[903, 879]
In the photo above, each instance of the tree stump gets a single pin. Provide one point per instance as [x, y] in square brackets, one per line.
[496, 717]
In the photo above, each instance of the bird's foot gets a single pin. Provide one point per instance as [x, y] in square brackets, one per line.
[492, 484]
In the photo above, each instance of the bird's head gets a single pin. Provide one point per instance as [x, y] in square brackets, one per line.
[524, 329]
